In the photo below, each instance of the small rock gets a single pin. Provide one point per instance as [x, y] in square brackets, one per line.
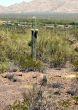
[14, 80]
[58, 68]
[9, 76]
[71, 92]
[57, 85]
[58, 76]
[19, 75]
[57, 93]
[34, 77]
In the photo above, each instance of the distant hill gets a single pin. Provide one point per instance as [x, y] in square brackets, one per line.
[65, 6]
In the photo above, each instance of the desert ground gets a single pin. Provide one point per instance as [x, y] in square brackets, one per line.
[61, 86]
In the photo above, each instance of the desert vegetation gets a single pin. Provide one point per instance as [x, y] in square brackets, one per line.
[57, 45]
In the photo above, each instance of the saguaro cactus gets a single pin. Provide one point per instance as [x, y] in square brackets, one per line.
[34, 32]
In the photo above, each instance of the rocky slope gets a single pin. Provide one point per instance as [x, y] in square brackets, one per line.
[42, 6]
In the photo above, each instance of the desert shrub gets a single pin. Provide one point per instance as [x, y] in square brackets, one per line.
[32, 100]
[44, 81]
[18, 105]
[55, 50]
[75, 98]
[29, 64]
[4, 67]
[75, 46]
[65, 103]
[74, 61]
[16, 50]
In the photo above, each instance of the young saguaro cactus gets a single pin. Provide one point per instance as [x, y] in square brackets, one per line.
[34, 32]
[34, 39]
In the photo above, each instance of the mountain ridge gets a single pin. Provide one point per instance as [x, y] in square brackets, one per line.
[66, 6]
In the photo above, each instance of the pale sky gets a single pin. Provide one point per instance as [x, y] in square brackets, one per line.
[10, 2]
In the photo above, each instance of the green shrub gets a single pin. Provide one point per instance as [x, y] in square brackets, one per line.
[75, 98]
[18, 105]
[30, 64]
[3, 67]
[75, 61]
[65, 103]
[53, 47]
[54, 50]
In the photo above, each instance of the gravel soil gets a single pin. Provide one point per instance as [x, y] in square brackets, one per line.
[61, 87]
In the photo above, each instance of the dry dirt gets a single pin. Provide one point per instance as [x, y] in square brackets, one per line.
[11, 91]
